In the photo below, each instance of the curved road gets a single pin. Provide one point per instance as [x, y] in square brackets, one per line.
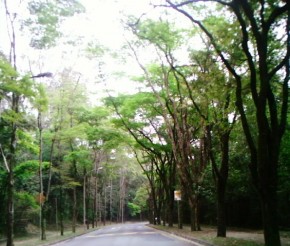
[134, 234]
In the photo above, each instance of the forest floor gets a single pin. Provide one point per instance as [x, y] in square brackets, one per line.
[207, 236]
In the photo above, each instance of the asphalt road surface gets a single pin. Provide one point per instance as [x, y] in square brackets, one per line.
[135, 234]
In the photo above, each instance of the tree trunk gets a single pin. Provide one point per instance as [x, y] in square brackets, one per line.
[61, 212]
[170, 209]
[95, 223]
[267, 190]
[10, 209]
[42, 198]
[180, 214]
[222, 178]
[10, 188]
[197, 214]
[88, 194]
[192, 219]
[74, 212]
[270, 225]
[42, 219]
[151, 208]
[221, 209]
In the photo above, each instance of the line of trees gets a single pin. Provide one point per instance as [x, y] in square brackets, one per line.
[62, 162]
[219, 110]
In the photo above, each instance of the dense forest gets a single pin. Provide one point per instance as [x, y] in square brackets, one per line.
[207, 115]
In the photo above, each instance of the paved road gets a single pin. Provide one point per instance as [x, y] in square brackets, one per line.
[135, 234]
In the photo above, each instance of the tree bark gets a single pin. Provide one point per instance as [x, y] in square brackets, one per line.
[221, 209]
[270, 225]
[10, 209]
[42, 220]
[61, 211]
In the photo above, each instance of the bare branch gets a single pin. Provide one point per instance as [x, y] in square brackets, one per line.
[195, 1]
[4, 159]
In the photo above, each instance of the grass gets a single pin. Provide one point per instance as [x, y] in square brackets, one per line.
[32, 238]
[234, 242]
[234, 237]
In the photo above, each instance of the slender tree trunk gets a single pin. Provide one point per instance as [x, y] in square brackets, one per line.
[13, 143]
[10, 208]
[111, 201]
[95, 204]
[10, 188]
[105, 205]
[56, 214]
[88, 201]
[100, 207]
[180, 214]
[41, 192]
[42, 220]
[74, 212]
[61, 212]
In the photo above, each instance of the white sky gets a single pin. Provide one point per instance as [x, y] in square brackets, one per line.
[101, 24]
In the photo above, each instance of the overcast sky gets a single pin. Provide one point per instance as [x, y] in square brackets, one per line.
[101, 24]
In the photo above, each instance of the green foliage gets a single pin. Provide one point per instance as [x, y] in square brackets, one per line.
[141, 197]
[99, 131]
[134, 208]
[96, 50]
[27, 176]
[25, 209]
[27, 142]
[41, 99]
[26, 205]
[81, 157]
[45, 18]
[26, 169]
[7, 72]
[160, 33]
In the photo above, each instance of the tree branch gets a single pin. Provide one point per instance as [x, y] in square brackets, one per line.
[285, 100]
[247, 53]
[276, 13]
[4, 159]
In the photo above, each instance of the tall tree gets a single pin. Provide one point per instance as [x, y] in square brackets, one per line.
[264, 44]
[179, 110]
[144, 123]
[15, 89]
